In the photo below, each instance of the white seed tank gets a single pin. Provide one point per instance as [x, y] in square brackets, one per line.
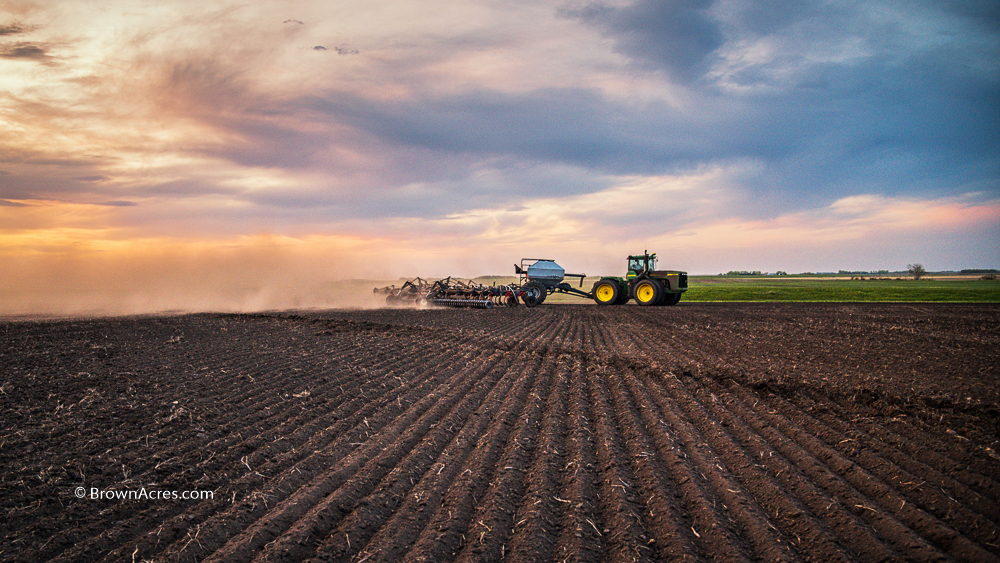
[547, 272]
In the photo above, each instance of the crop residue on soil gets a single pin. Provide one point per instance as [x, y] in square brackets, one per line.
[827, 432]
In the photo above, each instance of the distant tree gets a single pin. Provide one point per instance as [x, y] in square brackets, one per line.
[916, 270]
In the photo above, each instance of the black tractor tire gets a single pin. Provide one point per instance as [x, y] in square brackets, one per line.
[533, 294]
[606, 292]
[670, 299]
[623, 298]
[648, 292]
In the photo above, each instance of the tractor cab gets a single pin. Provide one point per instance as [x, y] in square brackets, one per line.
[636, 265]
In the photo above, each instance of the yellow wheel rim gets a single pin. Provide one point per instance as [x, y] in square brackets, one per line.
[644, 293]
[605, 293]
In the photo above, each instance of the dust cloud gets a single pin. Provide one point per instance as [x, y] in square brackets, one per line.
[236, 279]
[73, 278]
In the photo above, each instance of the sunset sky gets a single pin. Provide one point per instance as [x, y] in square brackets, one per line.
[172, 152]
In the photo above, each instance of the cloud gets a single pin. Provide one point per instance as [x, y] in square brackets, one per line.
[810, 82]
[23, 50]
[337, 130]
[118, 203]
[674, 35]
[863, 232]
[702, 222]
[11, 29]
[502, 125]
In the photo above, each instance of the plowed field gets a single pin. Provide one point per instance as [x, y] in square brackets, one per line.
[731, 432]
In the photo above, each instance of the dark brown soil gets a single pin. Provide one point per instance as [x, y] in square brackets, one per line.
[775, 432]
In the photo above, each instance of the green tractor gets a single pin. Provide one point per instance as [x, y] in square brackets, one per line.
[643, 282]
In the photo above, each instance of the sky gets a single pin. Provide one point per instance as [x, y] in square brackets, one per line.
[192, 154]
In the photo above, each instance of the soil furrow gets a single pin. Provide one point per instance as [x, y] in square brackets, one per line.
[943, 474]
[443, 538]
[580, 539]
[537, 519]
[711, 534]
[756, 534]
[936, 496]
[874, 480]
[161, 476]
[813, 522]
[976, 473]
[373, 456]
[357, 419]
[354, 509]
[625, 539]
[416, 509]
[662, 514]
[493, 523]
[831, 478]
[851, 432]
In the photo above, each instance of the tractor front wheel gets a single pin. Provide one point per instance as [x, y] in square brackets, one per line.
[671, 299]
[605, 292]
[648, 292]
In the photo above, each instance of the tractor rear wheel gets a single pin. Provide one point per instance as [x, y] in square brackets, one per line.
[648, 292]
[606, 292]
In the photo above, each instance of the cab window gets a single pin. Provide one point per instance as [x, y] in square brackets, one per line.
[636, 264]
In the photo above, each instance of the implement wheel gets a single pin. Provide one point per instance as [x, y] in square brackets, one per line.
[606, 292]
[533, 293]
[510, 299]
[648, 292]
